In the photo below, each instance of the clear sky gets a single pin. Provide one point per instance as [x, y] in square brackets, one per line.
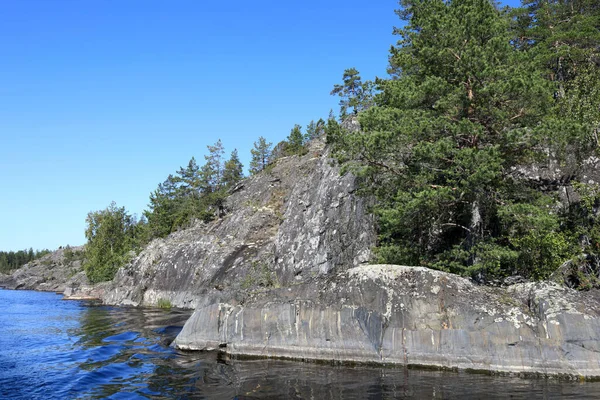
[101, 99]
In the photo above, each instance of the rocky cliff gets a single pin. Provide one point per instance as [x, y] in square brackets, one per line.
[410, 316]
[298, 220]
[53, 272]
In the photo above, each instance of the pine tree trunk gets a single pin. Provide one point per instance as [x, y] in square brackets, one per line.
[475, 230]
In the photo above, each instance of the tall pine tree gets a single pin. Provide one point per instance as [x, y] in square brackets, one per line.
[233, 171]
[261, 155]
[295, 141]
[439, 149]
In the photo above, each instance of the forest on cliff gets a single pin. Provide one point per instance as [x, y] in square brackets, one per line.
[478, 101]
[477, 147]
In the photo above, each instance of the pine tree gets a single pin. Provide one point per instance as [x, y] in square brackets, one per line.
[463, 108]
[295, 141]
[311, 131]
[233, 171]
[355, 94]
[320, 128]
[261, 155]
[164, 206]
[315, 129]
[563, 37]
[212, 171]
[189, 178]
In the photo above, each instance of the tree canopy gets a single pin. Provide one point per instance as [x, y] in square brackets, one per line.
[111, 235]
[470, 103]
[261, 155]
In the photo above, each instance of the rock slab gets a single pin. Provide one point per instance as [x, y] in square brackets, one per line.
[410, 316]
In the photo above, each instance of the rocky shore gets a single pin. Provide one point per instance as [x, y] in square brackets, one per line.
[285, 274]
[54, 272]
[410, 316]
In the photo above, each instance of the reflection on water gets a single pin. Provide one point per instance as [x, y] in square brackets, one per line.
[69, 349]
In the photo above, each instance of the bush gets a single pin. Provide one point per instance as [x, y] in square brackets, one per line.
[164, 303]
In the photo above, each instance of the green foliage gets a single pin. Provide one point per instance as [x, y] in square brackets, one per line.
[211, 173]
[164, 303]
[194, 193]
[468, 102]
[355, 94]
[563, 40]
[295, 142]
[334, 137]
[535, 234]
[233, 171]
[110, 235]
[315, 130]
[261, 155]
[164, 214]
[11, 260]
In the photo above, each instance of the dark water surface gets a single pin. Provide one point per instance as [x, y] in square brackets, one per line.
[54, 349]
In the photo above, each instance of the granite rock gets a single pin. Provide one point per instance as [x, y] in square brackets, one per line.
[409, 316]
[295, 221]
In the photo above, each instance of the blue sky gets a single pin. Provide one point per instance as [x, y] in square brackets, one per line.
[101, 99]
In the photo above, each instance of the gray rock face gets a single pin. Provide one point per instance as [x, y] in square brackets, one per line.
[553, 175]
[409, 315]
[298, 220]
[54, 272]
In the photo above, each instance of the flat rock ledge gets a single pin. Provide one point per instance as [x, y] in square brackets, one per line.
[409, 316]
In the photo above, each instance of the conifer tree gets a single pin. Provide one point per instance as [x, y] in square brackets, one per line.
[463, 108]
[311, 130]
[295, 141]
[212, 171]
[261, 155]
[164, 206]
[563, 38]
[355, 94]
[233, 171]
[188, 195]
[320, 128]
[189, 178]
[315, 129]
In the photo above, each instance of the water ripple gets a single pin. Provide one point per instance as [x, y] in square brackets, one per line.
[53, 349]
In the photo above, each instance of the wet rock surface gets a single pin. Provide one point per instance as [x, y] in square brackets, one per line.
[410, 316]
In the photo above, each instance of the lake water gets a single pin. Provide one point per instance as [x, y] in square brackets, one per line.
[55, 349]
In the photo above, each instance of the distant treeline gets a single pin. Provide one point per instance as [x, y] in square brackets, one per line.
[15, 259]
